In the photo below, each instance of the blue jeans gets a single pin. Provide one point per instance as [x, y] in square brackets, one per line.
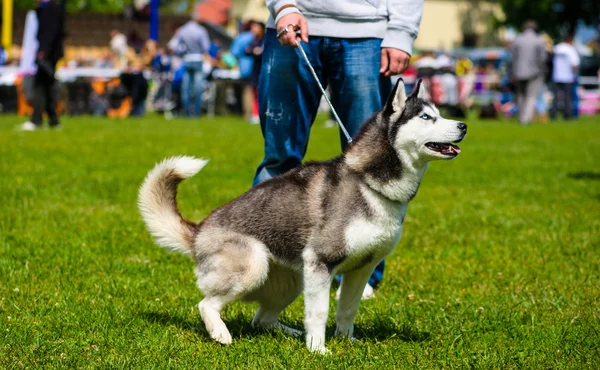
[288, 96]
[192, 86]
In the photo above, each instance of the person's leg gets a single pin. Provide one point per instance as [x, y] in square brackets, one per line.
[540, 105]
[357, 89]
[198, 88]
[39, 101]
[560, 97]
[531, 92]
[377, 274]
[186, 90]
[52, 91]
[569, 105]
[288, 99]
[575, 98]
[247, 101]
[555, 100]
[521, 84]
[254, 101]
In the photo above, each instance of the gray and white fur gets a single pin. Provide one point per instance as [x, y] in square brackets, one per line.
[294, 233]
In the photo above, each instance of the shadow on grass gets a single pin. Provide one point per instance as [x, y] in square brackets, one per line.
[383, 331]
[168, 319]
[584, 175]
[239, 326]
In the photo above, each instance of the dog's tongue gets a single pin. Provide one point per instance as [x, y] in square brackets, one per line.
[451, 149]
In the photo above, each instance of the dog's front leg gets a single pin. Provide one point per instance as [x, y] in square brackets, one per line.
[353, 284]
[317, 282]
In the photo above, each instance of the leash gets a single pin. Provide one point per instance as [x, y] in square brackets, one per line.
[312, 70]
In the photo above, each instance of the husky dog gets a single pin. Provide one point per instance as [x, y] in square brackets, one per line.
[295, 232]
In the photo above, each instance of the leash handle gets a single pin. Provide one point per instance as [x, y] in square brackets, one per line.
[312, 70]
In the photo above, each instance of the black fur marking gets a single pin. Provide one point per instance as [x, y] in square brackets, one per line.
[365, 261]
[413, 107]
[386, 166]
[332, 264]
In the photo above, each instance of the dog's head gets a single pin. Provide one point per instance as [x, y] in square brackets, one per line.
[416, 129]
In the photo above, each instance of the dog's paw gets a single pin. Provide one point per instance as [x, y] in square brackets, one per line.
[319, 350]
[221, 336]
[344, 330]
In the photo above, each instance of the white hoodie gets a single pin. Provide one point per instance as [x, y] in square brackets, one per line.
[394, 21]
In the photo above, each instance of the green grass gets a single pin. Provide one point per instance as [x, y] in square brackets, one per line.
[498, 266]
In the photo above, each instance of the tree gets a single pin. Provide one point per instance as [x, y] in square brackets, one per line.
[98, 6]
[556, 17]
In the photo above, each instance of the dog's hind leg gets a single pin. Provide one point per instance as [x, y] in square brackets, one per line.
[228, 266]
[268, 318]
[282, 287]
[210, 310]
[353, 284]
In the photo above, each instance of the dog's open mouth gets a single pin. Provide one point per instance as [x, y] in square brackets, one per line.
[448, 149]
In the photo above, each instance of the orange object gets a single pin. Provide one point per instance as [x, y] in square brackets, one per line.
[123, 111]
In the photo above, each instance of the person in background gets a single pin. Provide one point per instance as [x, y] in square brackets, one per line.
[3, 56]
[27, 66]
[564, 74]
[444, 59]
[256, 50]
[119, 47]
[245, 62]
[137, 87]
[193, 44]
[105, 61]
[50, 50]
[355, 47]
[528, 58]
[541, 108]
[136, 42]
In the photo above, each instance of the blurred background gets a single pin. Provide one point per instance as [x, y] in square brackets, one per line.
[118, 62]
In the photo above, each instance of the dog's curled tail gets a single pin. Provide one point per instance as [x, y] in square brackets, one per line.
[158, 204]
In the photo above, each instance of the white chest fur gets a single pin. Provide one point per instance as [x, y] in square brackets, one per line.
[379, 232]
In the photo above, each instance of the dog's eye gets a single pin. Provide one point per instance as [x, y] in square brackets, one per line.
[425, 116]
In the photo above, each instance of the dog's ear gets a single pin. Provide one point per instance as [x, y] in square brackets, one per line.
[419, 91]
[396, 101]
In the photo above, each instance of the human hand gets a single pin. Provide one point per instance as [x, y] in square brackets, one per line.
[299, 23]
[393, 61]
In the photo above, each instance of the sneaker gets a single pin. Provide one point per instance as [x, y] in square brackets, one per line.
[28, 126]
[254, 120]
[329, 123]
[368, 293]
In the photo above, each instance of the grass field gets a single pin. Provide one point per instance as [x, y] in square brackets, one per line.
[498, 266]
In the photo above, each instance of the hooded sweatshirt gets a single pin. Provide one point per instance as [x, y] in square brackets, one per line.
[394, 21]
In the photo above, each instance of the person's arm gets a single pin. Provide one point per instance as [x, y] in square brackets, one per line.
[542, 54]
[404, 18]
[285, 12]
[205, 42]
[574, 60]
[514, 54]
[281, 8]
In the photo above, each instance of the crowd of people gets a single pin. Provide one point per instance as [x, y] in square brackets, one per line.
[537, 81]
[537, 64]
[171, 77]
[181, 68]
[531, 78]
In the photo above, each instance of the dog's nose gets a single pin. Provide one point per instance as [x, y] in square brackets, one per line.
[462, 126]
